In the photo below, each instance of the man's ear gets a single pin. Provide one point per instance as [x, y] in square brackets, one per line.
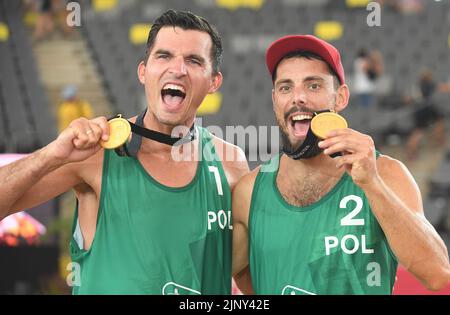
[342, 97]
[141, 72]
[216, 82]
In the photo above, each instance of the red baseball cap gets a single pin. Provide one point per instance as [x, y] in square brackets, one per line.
[286, 44]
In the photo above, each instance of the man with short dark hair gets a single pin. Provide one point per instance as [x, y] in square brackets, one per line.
[146, 222]
[331, 215]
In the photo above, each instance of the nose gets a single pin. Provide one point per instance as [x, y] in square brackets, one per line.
[178, 66]
[299, 97]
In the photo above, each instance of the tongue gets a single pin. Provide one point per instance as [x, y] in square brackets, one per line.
[173, 101]
[301, 128]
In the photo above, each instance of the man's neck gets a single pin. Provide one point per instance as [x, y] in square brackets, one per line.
[152, 123]
[320, 165]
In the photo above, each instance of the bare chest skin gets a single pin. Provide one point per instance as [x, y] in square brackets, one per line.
[306, 187]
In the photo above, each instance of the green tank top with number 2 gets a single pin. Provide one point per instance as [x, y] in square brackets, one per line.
[333, 246]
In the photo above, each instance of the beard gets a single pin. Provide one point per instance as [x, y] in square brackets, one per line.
[302, 148]
[286, 142]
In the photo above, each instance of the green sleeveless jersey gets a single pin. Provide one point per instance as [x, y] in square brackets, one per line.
[154, 239]
[333, 246]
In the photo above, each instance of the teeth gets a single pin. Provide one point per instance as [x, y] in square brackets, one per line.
[174, 87]
[301, 117]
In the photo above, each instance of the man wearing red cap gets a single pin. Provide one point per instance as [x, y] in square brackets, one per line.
[330, 216]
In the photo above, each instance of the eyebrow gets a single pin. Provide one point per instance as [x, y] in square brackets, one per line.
[313, 78]
[282, 81]
[163, 51]
[192, 56]
[305, 80]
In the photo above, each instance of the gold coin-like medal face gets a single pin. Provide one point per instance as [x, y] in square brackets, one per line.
[119, 132]
[322, 123]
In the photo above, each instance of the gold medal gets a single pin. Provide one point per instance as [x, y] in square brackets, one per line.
[322, 123]
[119, 132]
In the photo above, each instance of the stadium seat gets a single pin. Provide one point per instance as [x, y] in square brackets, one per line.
[329, 30]
[211, 104]
[4, 32]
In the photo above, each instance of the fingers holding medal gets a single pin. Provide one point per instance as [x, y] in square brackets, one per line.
[119, 132]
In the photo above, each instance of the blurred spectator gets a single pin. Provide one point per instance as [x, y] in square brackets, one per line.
[365, 75]
[49, 13]
[376, 65]
[409, 6]
[72, 108]
[44, 23]
[403, 6]
[427, 114]
[60, 13]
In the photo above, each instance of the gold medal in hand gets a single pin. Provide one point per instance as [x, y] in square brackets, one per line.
[119, 132]
[323, 123]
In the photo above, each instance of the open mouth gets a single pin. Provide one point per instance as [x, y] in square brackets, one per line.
[300, 124]
[173, 95]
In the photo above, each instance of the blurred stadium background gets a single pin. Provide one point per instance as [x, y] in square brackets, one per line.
[100, 58]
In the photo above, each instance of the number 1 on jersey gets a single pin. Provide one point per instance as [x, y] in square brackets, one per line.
[215, 170]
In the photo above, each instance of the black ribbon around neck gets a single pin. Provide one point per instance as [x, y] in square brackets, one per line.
[139, 131]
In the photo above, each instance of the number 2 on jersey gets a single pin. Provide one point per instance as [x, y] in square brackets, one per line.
[349, 218]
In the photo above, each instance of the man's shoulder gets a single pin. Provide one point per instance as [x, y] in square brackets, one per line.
[389, 165]
[228, 152]
[242, 196]
[247, 181]
[395, 173]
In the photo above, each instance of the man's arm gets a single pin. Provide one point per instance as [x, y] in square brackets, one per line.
[236, 170]
[19, 177]
[48, 172]
[241, 207]
[396, 203]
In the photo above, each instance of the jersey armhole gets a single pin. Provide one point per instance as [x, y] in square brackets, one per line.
[268, 167]
[377, 155]
[77, 239]
[77, 235]
[389, 249]
[252, 202]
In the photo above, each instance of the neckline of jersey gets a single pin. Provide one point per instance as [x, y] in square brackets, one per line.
[175, 189]
[311, 206]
